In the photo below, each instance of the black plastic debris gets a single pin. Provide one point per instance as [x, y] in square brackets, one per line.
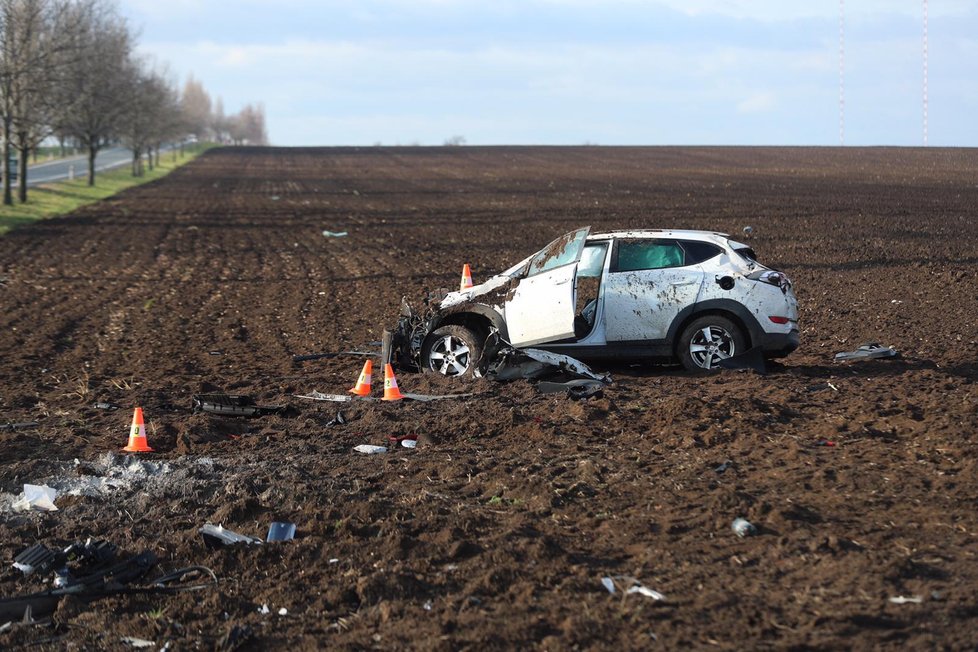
[216, 536]
[90, 571]
[19, 426]
[106, 406]
[338, 421]
[752, 359]
[232, 405]
[870, 351]
[38, 558]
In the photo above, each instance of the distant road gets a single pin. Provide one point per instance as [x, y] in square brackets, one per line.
[60, 169]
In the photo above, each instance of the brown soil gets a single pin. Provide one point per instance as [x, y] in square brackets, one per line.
[495, 532]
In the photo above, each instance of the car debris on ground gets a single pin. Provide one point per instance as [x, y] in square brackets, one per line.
[39, 498]
[19, 426]
[629, 585]
[869, 351]
[346, 398]
[368, 449]
[216, 536]
[92, 570]
[231, 405]
[743, 528]
[280, 531]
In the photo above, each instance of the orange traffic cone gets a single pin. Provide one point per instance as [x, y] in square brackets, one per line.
[137, 434]
[391, 392]
[466, 278]
[362, 388]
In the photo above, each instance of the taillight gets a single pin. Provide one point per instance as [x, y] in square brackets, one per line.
[778, 319]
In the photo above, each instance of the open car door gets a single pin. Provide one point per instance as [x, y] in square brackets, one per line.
[542, 307]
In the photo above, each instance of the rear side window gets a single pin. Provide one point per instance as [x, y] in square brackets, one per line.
[698, 252]
[634, 255]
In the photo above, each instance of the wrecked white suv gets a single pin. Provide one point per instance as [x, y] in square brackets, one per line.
[696, 297]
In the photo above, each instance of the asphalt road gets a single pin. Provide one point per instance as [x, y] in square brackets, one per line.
[62, 168]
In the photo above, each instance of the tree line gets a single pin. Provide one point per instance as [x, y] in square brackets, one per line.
[68, 70]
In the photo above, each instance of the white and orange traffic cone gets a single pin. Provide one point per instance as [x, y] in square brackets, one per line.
[466, 278]
[391, 392]
[137, 434]
[362, 388]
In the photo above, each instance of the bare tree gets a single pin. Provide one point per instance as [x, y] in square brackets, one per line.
[248, 126]
[152, 116]
[196, 106]
[34, 40]
[94, 92]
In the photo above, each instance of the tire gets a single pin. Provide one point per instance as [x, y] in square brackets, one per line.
[451, 351]
[707, 340]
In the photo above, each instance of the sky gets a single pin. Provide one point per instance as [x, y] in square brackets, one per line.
[572, 72]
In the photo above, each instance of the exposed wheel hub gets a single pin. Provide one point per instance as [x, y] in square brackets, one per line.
[710, 345]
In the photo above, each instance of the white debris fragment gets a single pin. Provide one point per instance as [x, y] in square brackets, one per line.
[137, 642]
[902, 599]
[409, 443]
[40, 498]
[367, 449]
[283, 611]
[264, 610]
[635, 587]
[647, 592]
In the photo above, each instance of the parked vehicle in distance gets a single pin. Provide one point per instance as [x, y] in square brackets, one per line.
[693, 297]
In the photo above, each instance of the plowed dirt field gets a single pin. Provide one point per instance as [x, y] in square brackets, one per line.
[496, 531]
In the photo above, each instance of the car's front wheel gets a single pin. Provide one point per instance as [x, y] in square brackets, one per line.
[709, 339]
[451, 351]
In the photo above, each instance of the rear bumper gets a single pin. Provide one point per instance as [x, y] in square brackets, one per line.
[778, 345]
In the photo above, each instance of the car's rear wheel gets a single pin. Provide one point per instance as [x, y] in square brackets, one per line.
[451, 351]
[709, 339]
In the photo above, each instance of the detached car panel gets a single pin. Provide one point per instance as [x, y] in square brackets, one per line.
[695, 297]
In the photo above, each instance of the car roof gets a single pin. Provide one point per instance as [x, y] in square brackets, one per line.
[684, 234]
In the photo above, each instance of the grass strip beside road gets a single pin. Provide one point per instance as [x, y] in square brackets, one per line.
[60, 197]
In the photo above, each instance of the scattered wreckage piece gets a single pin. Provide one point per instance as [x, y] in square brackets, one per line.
[19, 426]
[319, 396]
[39, 498]
[577, 389]
[280, 531]
[217, 536]
[346, 398]
[232, 405]
[869, 351]
[530, 364]
[752, 359]
[41, 559]
[109, 581]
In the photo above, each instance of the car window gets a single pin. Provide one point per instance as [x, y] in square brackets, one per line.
[634, 255]
[697, 252]
[592, 260]
[565, 249]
